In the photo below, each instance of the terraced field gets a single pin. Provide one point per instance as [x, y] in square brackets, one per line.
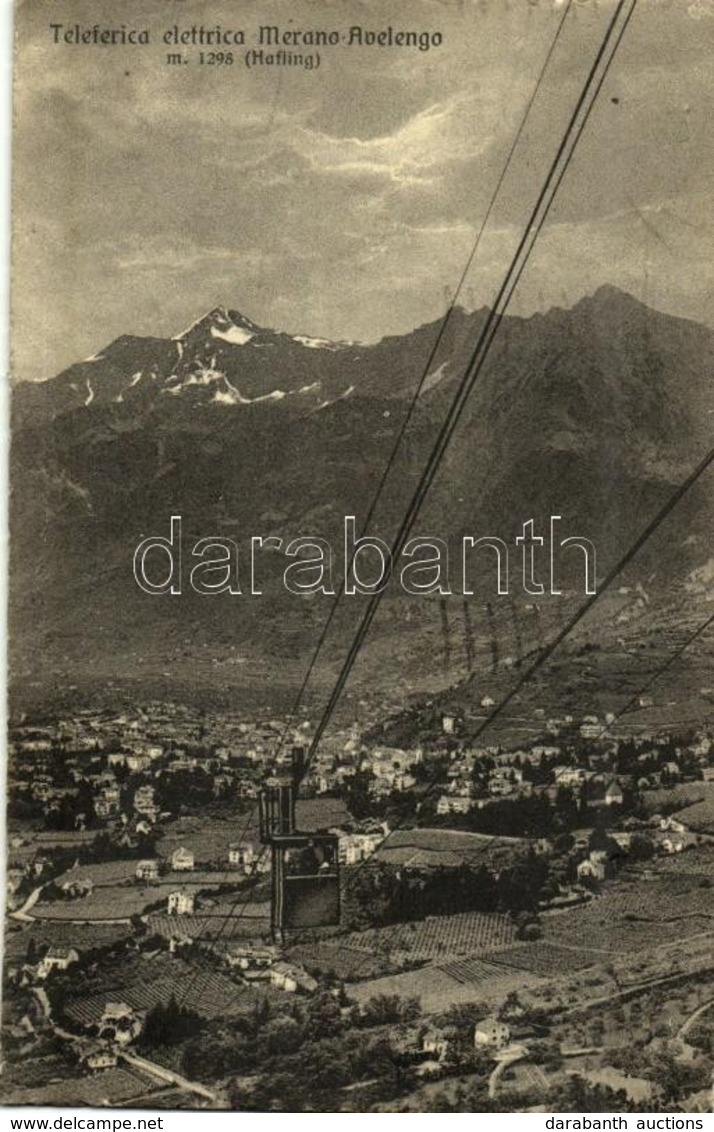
[343, 962]
[209, 993]
[112, 1087]
[546, 959]
[471, 971]
[630, 917]
[467, 933]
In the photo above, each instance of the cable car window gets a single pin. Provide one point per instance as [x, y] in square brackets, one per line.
[308, 882]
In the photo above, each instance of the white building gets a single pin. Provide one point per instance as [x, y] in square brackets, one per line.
[182, 860]
[181, 902]
[492, 1033]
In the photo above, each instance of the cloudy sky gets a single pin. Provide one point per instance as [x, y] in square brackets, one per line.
[344, 201]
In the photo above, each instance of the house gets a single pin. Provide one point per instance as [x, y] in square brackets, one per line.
[105, 807]
[119, 1023]
[492, 1033]
[75, 887]
[592, 868]
[591, 728]
[181, 902]
[500, 787]
[677, 842]
[243, 855]
[56, 959]
[137, 762]
[435, 1043]
[253, 962]
[622, 838]
[600, 793]
[147, 870]
[176, 942]
[449, 723]
[672, 825]
[289, 977]
[454, 804]
[182, 860]
[103, 1057]
[569, 775]
[145, 802]
[15, 878]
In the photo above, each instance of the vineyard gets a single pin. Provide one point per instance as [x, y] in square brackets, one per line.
[541, 959]
[50, 933]
[112, 1087]
[437, 847]
[470, 971]
[209, 993]
[700, 815]
[345, 963]
[630, 917]
[676, 798]
[467, 933]
[698, 862]
[546, 959]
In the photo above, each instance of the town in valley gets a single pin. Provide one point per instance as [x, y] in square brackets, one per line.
[526, 916]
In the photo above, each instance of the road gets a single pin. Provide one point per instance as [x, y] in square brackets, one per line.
[160, 1072]
[505, 1058]
[22, 914]
[689, 1022]
[166, 1075]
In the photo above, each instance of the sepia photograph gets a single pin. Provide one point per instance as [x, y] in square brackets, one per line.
[360, 661]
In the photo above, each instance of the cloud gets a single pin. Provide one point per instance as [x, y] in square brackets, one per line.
[343, 203]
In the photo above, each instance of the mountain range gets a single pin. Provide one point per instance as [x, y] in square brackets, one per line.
[594, 413]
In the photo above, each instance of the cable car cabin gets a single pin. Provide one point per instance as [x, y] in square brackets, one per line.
[277, 799]
[306, 881]
[277, 809]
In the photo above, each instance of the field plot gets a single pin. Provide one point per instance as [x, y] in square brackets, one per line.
[700, 815]
[59, 933]
[629, 917]
[447, 847]
[207, 840]
[222, 923]
[546, 959]
[210, 993]
[343, 962]
[117, 902]
[674, 799]
[101, 875]
[697, 862]
[437, 985]
[466, 933]
[471, 971]
[112, 1087]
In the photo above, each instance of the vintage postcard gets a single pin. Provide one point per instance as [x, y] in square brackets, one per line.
[361, 582]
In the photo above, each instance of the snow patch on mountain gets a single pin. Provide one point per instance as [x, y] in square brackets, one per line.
[434, 377]
[230, 395]
[315, 343]
[325, 404]
[276, 395]
[233, 334]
